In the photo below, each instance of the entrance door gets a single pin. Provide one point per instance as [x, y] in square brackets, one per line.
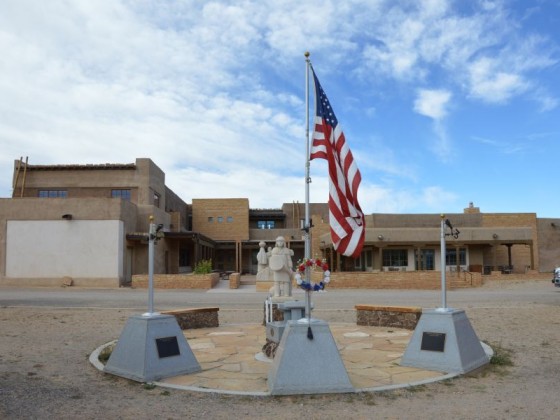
[426, 259]
[369, 259]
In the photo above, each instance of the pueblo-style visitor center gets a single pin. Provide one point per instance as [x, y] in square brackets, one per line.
[89, 223]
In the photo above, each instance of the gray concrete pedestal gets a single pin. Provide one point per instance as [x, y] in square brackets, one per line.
[444, 341]
[151, 348]
[308, 366]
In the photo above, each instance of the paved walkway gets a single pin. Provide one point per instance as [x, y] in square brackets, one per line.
[232, 361]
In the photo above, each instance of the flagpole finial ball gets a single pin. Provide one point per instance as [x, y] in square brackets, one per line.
[442, 215]
[306, 54]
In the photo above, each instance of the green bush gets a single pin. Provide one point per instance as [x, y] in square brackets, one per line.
[203, 267]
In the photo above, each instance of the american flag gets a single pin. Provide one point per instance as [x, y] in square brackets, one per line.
[346, 217]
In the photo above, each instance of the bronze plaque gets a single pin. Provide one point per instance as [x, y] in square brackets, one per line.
[167, 347]
[433, 341]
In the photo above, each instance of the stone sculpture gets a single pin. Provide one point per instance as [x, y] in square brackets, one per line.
[276, 264]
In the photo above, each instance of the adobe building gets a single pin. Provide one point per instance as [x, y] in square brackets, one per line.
[89, 223]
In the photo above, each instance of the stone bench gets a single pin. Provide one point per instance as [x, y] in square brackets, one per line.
[195, 317]
[388, 316]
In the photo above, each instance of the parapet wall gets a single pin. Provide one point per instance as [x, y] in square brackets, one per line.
[423, 280]
[177, 281]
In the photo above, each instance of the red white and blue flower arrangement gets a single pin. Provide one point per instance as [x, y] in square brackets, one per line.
[308, 264]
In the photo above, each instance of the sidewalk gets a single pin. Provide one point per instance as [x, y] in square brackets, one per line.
[232, 361]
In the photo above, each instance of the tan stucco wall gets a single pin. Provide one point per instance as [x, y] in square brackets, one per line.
[236, 208]
[549, 244]
[52, 209]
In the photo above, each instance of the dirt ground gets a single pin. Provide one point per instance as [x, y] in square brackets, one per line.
[45, 373]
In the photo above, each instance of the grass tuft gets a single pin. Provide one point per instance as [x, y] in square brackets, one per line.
[105, 354]
[501, 356]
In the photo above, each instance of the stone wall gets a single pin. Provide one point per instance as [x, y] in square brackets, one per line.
[530, 275]
[422, 280]
[195, 317]
[177, 281]
[388, 316]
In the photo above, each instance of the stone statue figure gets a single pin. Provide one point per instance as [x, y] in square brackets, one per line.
[263, 272]
[280, 263]
[262, 258]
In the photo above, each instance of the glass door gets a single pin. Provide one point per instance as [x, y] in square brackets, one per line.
[425, 260]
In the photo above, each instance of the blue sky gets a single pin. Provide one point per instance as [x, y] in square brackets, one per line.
[443, 103]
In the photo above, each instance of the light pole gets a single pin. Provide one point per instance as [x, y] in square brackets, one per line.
[452, 232]
[152, 238]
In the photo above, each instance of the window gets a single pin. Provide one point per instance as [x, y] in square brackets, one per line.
[395, 257]
[451, 256]
[210, 219]
[53, 193]
[123, 194]
[425, 259]
[229, 219]
[220, 219]
[156, 199]
[265, 224]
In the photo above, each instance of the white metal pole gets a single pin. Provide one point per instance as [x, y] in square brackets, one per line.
[443, 265]
[151, 239]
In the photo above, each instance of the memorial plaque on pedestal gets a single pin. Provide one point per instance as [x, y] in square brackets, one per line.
[151, 348]
[444, 341]
[167, 347]
[433, 341]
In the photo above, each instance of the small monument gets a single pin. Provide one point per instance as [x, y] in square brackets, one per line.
[308, 366]
[444, 339]
[152, 346]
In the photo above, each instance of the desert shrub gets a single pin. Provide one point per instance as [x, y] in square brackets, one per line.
[203, 267]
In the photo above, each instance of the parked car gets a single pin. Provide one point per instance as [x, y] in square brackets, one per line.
[556, 279]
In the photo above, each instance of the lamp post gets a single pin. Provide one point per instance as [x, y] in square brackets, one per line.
[452, 232]
[152, 237]
[443, 266]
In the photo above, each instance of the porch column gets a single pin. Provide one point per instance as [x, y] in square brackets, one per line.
[196, 252]
[237, 256]
[458, 260]
[509, 256]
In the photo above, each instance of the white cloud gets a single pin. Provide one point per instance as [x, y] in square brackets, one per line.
[482, 53]
[492, 85]
[432, 103]
[379, 199]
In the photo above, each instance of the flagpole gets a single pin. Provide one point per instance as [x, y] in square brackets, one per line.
[307, 227]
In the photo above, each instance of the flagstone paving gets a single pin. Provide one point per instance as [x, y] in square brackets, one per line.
[232, 361]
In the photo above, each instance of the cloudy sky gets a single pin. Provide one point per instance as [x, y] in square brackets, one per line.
[442, 102]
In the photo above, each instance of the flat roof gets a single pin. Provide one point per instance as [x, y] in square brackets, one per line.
[79, 167]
